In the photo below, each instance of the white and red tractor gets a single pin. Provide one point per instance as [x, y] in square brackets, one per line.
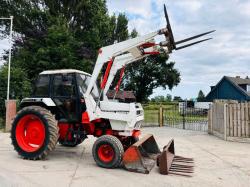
[68, 105]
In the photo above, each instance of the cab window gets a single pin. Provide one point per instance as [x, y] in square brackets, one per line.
[63, 86]
[83, 82]
[42, 86]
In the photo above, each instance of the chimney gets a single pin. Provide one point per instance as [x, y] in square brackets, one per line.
[237, 76]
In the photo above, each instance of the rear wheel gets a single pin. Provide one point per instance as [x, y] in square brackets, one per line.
[34, 132]
[108, 151]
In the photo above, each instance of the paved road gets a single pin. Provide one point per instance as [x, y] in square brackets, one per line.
[217, 163]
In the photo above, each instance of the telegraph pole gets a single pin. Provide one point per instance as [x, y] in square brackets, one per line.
[10, 46]
[10, 104]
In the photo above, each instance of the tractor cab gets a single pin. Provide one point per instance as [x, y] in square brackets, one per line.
[62, 91]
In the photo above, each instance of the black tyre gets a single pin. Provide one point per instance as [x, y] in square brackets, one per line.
[108, 151]
[34, 132]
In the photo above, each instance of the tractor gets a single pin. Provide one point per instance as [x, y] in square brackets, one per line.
[68, 105]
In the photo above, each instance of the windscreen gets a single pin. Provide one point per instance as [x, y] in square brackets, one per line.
[83, 82]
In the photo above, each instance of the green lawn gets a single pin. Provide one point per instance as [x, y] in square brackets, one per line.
[151, 116]
[171, 113]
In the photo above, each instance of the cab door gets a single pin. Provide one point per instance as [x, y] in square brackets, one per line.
[65, 95]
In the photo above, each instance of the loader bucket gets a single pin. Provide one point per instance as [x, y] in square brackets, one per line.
[169, 163]
[141, 156]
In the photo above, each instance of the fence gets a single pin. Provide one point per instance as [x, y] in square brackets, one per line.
[186, 118]
[151, 117]
[230, 121]
[195, 119]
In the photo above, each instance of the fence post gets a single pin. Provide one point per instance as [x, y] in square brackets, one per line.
[247, 121]
[210, 119]
[161, 116]
[183, 114]
[225, 121]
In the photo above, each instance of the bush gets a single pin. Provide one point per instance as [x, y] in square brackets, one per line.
[156, 106]
[1, 123]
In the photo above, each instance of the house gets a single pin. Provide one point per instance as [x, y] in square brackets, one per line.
[122, 96]
[233, 88]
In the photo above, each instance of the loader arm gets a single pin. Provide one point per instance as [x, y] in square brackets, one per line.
[114, 51]
[123, 116]
[119, 63]
[118, 55]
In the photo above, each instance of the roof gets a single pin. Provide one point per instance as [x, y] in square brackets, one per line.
[121, 95]
[236, 81]
[63, 71]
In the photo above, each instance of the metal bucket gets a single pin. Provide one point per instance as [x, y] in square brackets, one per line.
[142, 155]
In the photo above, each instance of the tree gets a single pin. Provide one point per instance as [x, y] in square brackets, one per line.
[201, 96]
[177, 99]
[134, 33]
[153, 72]
[122, 28]
[150, 73]
[52, 35]
[19, 86]
[58, 50]
[67, 34]
[159, 99]
[57, 34]
[168, 98]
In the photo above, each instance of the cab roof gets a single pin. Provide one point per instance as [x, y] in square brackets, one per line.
[63, 71]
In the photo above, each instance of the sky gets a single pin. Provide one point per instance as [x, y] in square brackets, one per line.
[202, 65]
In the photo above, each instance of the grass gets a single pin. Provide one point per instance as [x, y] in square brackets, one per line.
[171, 114]
[151, 116]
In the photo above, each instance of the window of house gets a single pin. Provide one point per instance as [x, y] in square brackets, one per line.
[248, 88]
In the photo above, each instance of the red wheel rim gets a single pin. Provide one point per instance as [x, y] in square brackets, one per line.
[30, 133]
[106, 153]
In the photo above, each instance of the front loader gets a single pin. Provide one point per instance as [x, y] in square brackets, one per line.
[68, 105]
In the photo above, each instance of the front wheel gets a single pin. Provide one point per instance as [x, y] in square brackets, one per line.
[108, 151]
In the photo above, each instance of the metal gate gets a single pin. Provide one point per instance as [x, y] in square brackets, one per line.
[186, 118]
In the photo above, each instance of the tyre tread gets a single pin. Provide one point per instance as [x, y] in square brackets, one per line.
[109, 138]
[52, 127]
